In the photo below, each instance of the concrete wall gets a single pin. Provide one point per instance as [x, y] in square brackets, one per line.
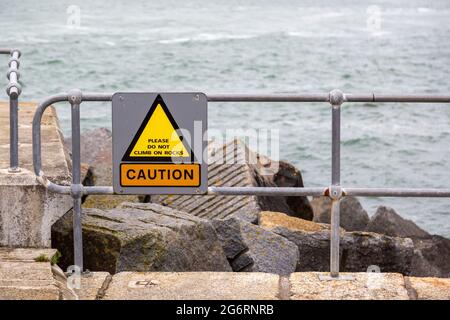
[27, 209]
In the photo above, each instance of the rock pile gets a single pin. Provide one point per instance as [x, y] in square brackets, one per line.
[241, 233]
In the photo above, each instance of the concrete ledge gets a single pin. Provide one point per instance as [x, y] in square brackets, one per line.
[22, 277]
[26, 254]
[428, 288]
[93, 285]
[351, 286]
[193, 286]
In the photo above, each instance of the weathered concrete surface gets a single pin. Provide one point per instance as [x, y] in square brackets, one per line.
[388, 222]
[26, 254]
[428, 288]
[250, 248]
[27, 210]
[193, 286]
[21, 277]
[142, 237]
[362, 286]
[353, 217]
[232, 165]
[93, 285]
[96, 153]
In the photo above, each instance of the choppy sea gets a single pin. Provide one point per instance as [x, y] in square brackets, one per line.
[264, 46]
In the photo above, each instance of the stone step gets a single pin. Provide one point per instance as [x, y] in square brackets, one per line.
[22, 276]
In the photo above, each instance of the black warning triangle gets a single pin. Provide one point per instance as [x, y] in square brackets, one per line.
[158, 139]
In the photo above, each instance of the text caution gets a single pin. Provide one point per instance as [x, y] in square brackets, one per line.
[155, 174]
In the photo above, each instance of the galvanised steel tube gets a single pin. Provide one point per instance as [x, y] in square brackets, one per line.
[14, 133]
[37, 163]
[13, 90]
[287, 192]
[397, 192]
[75, 99]
[266, 191]
[97, 96]
[368, 97]
[223, 191]
[412, 98]
[336, 100]
[268, 97]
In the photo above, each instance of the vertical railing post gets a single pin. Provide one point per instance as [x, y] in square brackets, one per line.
[335, 192]
[14, 89]
[75, 98]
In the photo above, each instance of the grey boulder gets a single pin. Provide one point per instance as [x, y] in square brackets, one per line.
[352, 214]
[387, 221]
[358, 250]
[250, 248]
[431, 257]
[142, 237]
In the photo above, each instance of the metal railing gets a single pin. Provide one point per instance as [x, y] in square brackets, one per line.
[335, 191]
[14, 89]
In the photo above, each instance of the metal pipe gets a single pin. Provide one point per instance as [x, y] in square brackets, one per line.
[92, 96]
[397, 192]
[368, 97]
[335, 237]
[36, 136]
[274, 191]
[14, 133]
[336, 145]
[13, 93]
[268, 97]
[266, 191]
[75, 99]
[336, 100]
[413, 98]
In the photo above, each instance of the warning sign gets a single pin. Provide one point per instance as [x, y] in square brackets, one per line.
[158, 143]
[158, 137]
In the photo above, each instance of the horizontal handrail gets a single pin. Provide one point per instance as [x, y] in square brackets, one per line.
[335, 191]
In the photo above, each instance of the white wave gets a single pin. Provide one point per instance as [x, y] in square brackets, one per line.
[314, 34]
[207, 37]
[424, 10]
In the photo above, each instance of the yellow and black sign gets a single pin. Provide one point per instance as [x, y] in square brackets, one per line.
[157, 157]
[158, 138]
